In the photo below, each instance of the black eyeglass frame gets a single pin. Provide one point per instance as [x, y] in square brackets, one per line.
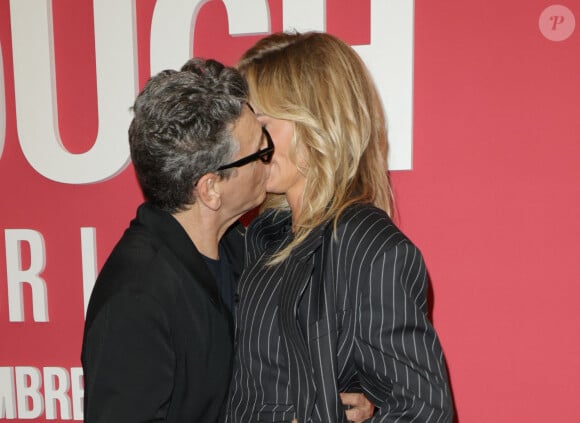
[265, 155]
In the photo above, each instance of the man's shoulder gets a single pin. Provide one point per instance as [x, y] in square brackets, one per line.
[134, 266]
[134, 251]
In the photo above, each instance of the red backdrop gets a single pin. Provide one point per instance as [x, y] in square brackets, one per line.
[493, 199]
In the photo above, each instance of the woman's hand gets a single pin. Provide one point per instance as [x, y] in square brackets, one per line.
[360, 407]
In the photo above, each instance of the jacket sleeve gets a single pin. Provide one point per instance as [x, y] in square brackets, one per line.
[397, 354]
[128, 361]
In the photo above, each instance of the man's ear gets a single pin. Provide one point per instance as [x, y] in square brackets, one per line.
[208, 191]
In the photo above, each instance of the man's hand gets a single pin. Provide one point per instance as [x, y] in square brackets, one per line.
[360, 407]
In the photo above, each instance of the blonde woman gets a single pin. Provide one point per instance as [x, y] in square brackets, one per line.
[334, 296]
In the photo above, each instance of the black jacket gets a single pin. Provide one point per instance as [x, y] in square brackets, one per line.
[158, 339]
[353, 317]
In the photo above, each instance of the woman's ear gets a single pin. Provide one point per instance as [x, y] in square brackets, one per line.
[208, 191]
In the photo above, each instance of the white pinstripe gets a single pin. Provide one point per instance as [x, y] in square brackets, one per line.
[380, 339]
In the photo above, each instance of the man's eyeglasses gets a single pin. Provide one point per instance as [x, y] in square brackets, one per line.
[265, 155]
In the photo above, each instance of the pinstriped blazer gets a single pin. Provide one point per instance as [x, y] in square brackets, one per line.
[353, 316]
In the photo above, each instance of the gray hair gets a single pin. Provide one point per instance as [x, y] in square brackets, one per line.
[181, 129]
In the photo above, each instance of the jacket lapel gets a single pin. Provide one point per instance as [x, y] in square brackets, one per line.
[301, 267]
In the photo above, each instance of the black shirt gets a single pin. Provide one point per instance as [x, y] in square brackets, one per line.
[221, 270]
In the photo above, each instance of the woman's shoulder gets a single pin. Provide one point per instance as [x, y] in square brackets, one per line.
[361, 216]
[368, 224]
[269, 221]
[267, 229]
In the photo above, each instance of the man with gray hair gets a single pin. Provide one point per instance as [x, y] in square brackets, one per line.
[158, 333]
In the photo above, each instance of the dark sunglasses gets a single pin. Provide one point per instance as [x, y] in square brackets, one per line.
[265, 155]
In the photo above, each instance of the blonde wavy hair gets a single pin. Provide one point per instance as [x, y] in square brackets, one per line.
[319, 83]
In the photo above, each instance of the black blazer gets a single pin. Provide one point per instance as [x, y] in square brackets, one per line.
[158, 340]
[353, 316]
